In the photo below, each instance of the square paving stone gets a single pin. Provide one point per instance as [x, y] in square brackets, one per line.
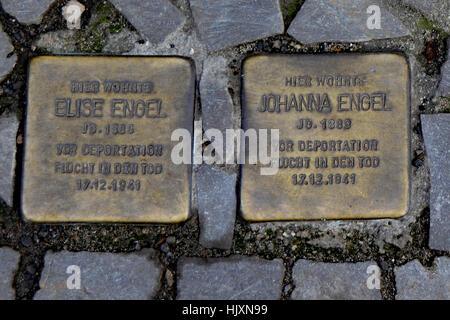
[102, 276]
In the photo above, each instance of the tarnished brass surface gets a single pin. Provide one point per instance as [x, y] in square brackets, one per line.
[68, 150]
[368, 183]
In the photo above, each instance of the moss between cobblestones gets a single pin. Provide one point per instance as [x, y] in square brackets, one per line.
[3, 211]
[104, 20]
[289, 9]
[268, 241]
[444, 105]
[431, 25]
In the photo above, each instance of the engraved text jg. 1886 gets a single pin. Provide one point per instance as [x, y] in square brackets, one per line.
[98, 139]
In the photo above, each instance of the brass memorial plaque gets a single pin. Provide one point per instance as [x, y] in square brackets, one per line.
[98, 139]
[343, 125]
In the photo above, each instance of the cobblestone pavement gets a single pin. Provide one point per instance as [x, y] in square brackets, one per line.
[216, 254]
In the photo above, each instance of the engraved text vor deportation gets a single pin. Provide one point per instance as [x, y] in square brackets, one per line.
[97, 144]
[344, 147]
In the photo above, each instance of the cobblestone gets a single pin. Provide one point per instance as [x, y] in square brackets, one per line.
[216, 206]
[444, 85]
[343, 21]
[26, 11]
[155, 19]
[414, 282]
[230, 22]
[436, 133]
[8, 132]
[433, 9]
[7, 61]
[231, 278]
[103, 276]
[342, 281]
[8, 266]
[217, 105]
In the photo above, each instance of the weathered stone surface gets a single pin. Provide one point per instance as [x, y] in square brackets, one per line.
[155, 19]
[216, 188]
[231, 22]
[103, 276]
[231, 278]
[414, 282]
[323, 281]
[428, 6]
[433, 9]
[217, 105]
[6, 63]
[119, 43]
[343, 21]
[216, 206]
[26, 11]
[60, 41]
[9, 262]
[436, 134]
[8, 132]
[444, 85]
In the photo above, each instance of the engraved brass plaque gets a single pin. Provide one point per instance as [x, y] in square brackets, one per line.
[98, 139]
[343, 125]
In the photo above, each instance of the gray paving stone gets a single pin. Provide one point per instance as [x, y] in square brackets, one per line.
[216, 188]
[216, 206]
[103, 276]
[414, 282]
[343, 21]
[231, 278]
[216, 102]
[330, 281]
[227, 23]
[155, 19]
[26, 11]
[6, 63]
[436, 134]
[8, 132]
[444, 85]
[428, 6]
[8, 266]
